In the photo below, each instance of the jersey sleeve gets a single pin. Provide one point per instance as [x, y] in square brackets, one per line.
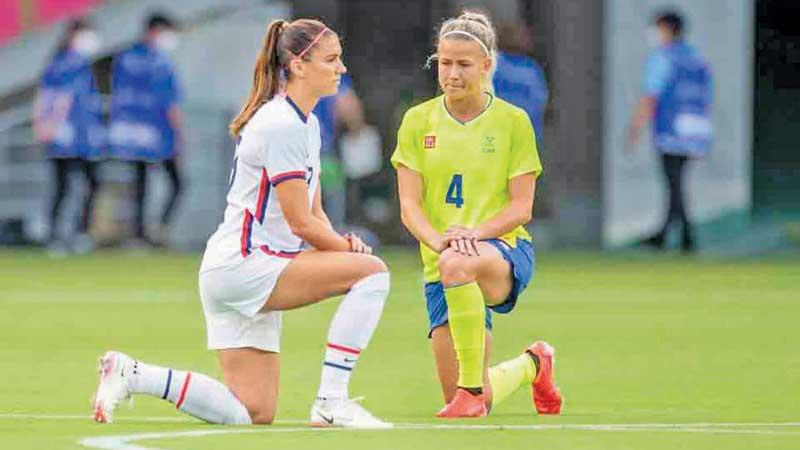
[406, 153]
[657, 70]
[524, 155]
[286, 154]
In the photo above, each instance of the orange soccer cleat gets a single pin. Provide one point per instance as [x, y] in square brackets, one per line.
[464, 404]
[546, 396]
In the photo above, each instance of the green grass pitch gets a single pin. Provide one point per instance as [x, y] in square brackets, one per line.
[652, 353]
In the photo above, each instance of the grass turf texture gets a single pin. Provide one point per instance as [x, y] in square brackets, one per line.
[640, 339]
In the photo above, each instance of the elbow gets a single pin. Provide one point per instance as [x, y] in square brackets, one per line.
[405, 217]
[300, 228]
[525, 215]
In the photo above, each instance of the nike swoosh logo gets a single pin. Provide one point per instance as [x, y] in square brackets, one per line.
[326, 419]
[350, 360]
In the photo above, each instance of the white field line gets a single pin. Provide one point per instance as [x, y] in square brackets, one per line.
[126, 442]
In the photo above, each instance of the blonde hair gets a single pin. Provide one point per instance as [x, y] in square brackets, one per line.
[471, 25]
[283, 42]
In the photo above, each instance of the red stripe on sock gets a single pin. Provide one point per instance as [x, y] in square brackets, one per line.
[342, 348]
[183, 390]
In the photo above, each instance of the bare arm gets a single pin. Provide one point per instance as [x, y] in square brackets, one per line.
[413, 216]
[642, 115]
[317, 211]
[293, 197]
[175, 118]
[521, 190]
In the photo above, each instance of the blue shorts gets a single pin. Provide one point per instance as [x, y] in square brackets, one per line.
[522, 264]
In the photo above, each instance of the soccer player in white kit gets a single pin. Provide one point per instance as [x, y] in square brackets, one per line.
[275, 250]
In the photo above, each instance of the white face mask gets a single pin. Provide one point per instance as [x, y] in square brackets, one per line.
[86, 42]
[653, 37]
[167, 41]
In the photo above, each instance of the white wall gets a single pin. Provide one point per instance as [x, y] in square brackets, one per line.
[634, 195]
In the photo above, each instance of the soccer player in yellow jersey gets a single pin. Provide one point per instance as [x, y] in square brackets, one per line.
[466, 167]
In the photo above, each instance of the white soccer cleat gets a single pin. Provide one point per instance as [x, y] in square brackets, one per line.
[113, 385]
[346, 413]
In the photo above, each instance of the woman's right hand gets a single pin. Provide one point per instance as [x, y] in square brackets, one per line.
[44, 132]
[439, 244]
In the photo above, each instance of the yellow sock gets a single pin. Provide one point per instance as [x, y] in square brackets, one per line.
[508, 376]
[467, 313]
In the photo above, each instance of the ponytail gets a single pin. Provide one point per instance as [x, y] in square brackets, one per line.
[283, 42]
[266, 77]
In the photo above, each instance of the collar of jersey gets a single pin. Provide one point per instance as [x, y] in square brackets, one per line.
[488, 105]
[296, 109]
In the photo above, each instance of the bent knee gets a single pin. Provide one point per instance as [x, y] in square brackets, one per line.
[453, 269]
[372, 265]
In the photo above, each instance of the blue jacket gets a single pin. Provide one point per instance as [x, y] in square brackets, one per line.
[520, 81]
[69, 77]
[144, 88]
[679, 77]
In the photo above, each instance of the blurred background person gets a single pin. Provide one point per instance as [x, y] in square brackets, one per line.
[351, 151]
[677, 100]
[67, 120]
[337, 113]
[518, 78]
[146, 119]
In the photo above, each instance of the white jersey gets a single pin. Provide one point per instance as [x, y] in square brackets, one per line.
[278, 143]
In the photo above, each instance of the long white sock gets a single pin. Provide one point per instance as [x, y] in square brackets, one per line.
[191, 392]
[350, 331]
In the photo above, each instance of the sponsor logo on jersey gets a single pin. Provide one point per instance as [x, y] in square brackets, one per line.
[430, 141]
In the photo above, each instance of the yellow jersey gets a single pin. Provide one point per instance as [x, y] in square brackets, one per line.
[465, 167]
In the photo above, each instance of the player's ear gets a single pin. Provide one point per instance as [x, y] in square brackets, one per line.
[487, 65]
[297, 68]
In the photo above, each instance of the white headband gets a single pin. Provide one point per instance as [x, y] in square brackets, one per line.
[471, 36]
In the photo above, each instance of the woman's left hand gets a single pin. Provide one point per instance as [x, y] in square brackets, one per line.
[463, 240]
[357, 245]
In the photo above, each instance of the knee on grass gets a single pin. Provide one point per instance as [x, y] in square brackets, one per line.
[261, 415]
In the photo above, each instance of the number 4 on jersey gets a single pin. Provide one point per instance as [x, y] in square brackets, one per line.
[454, 192]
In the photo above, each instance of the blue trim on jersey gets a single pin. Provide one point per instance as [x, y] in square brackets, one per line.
[287, 176]
[521, 260]
[296, 109]
[169, 381]
[337, 366]
[262, 208]
[264, 204]
[250, 218]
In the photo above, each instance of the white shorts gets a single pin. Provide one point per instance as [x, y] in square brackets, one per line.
[232, 297]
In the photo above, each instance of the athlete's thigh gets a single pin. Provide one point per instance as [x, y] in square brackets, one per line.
[447, 364]
[493, 274]
[253, 376]
[314, 276]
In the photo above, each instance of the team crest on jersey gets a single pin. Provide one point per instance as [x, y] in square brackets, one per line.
[430, 141]
[487, 144]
